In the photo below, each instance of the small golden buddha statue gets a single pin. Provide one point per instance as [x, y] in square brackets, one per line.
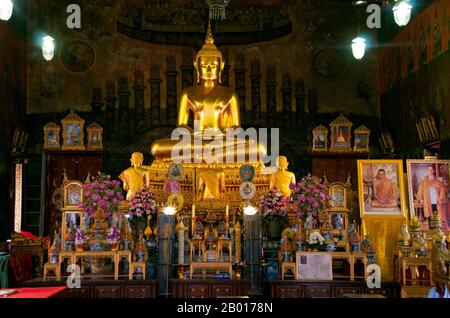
[282, 178]
[215, 109]
[134, 178]
[211, 184]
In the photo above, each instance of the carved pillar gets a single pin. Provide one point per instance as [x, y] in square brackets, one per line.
[313, 105]
[286, 91]
[252, 253]
[155, 94]
[300, 96]
[110, 101]
[124, 98]
[171, 90]
[166, 238]
[97, 103]
[256, 92]
[271, 96]
[239, 73]
[187, 69]
[139, 102]
[226, 69]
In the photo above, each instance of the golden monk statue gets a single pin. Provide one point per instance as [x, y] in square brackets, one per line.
[216, 111]
[211, 183]
[385, 191]
[134, 178]
[282, 178]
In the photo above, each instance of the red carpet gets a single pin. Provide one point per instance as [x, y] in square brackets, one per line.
[37, 292]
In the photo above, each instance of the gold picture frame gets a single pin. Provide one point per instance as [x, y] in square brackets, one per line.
[51, 136]
[341, 135]
[73, 132]
[94, 136]
[73, 194]
[320, 139]
[361, 143]
[423, 176]
[338, 193]
[381, 188]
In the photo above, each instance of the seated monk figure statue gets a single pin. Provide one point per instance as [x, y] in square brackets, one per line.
[135, 177]
[282, 178]
[216, 113]
[385, 192]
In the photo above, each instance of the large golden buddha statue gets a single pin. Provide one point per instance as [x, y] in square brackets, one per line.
[216, 110]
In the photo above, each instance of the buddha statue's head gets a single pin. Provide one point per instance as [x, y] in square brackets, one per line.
[136, 159]
[282, 163]
[209, 61]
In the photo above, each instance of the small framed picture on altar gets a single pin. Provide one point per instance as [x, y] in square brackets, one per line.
[341, 134]
[94, 136]
[73, 134]
[320, 138]
[51, 136]
[428, 190]
[381, 188]
[338, 194]
[73, 194]
[362, 134]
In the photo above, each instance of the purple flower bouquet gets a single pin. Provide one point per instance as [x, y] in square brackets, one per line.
[274, 207]
[142, 205]
[310, 195]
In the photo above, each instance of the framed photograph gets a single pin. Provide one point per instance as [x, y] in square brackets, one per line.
[338, 193]
[362, 134]
[341, 134]
[73, 132]
[51, 136]
[313, 266]
[73, 194]
[381, 188]
[320, 138]
[428, 190]
[94, 136]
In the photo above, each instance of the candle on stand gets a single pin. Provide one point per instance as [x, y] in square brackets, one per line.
[226, 212]
[193, 220]
[181, 229]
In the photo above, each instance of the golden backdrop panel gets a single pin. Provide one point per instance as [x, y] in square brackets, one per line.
[383, 234]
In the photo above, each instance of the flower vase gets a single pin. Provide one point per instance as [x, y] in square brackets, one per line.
[274, 230]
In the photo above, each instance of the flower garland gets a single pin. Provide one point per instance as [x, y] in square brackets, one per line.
[316, 241]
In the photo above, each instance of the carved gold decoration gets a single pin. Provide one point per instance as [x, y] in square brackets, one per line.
[94, 136]
[51, 136]
[73, 132]
[341, 134]
[362, 134]
[320, 138]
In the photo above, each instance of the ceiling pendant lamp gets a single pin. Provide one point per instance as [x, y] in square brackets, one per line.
[6, 9]
[359, 47]
[402, 12]
[48, 47]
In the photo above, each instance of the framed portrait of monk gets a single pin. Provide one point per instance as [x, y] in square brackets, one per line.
[381, 188]
[428, 190]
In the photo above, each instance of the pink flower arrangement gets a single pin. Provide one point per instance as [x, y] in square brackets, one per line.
[101, 192]
[274, 206]
[309, 195]
[142, 205]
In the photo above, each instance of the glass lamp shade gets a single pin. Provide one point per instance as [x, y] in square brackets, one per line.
[359, 47]
[169, 210]
[48, 47]
[250, 210]
[6, 9]
[402, 12]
